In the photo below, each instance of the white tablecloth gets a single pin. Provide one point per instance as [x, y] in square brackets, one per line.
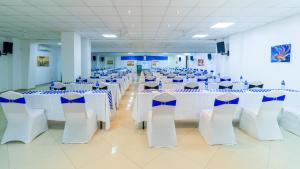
[98, 102]
[114, 87]
[191, 102]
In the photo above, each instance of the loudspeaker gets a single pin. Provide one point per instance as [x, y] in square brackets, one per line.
[179, 59]
[7, 47]
[94, 58]
[221, 47]
[102, 59]
[192, 58]
[209, 57]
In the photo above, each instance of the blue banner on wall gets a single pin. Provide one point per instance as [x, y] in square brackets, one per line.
[156, 58]
[132, 57]
[148, 58]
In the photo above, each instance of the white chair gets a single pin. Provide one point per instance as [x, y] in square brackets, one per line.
[59, 86]
[290, 120]
[150, 78]
[213, 86]
[202, 78]
[263, 124]
[238, 86]
[191, 85]
[23, 123]
[151, 85]
[161, 129]
[225, 85]
[177, 79]
[256, 85]
[225, 78]
[190, 76]
[216, 125]
[81, 124]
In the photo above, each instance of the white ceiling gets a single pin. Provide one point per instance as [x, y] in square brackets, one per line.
[142, 25]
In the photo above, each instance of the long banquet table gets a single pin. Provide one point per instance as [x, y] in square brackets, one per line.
[114, 87]
[191, 102]
[99, 101]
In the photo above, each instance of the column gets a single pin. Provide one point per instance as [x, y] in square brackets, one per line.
[86, 57]
[70, 56]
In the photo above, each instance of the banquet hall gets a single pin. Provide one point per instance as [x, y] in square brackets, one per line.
[149, 84]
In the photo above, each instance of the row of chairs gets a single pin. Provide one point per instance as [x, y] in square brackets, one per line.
[215, 125]
[24, 123]
[194, 85]
[62, 86]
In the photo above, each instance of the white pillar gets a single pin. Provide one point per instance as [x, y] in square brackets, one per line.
[70, 56]
[86, 57]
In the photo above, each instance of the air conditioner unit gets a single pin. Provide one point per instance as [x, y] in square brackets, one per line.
[44, 48]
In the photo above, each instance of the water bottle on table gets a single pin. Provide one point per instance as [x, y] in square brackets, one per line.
[282, 84]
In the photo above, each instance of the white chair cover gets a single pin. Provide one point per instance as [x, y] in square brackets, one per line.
[81, 124]
[263, 124]
[151, 85]
[23, 123]
[213, 86]
[59, 85]
[225, 84]
[216, 125]
[191, 85]
[258, 85]
[161, 129]
[290, 120]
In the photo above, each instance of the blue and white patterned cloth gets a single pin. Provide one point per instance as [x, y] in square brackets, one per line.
[109, 94]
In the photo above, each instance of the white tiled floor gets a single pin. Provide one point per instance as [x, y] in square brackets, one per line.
[125, 146]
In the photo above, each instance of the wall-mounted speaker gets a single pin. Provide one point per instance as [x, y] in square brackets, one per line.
[179, 59]
[94, 58]
[192, 58]
[7, 48]
[209, 56]
[102, 59]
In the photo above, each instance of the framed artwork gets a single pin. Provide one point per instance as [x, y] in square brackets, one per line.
[43, 61]
[130, 63]
[110, 62]
[281, 53]
[200, 62]
[154, 63]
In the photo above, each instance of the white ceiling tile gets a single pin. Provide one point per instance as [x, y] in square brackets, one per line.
[151, 19]
[155, 2]
[98, 2]
[127, 2]
[105, 11]
[211, 3]
[76, 10]
[202, 11]
[184, 3]
[176, 11]
[149, 11]
[129, 11]
[28, 10]
[70, 2]
[41, 2]
[54, 10]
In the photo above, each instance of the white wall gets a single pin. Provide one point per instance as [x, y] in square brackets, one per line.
[46, 74]
[251, 54]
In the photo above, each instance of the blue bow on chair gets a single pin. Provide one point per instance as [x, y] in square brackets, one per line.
[220, 102]
[159, 103]
[114, 80]
[225, 79]
[19, 100]
[78, 100]
[150, 80]
[202, 80]
[174, 80]
[279, 98]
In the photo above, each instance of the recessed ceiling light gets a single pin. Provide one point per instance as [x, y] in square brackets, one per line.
[178, 12]
[59, 43]
[222, 25]
[109, 35]
[130, 53]
[200, 36]
[129, 12]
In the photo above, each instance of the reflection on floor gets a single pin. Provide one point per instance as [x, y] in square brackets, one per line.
[125, 146]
